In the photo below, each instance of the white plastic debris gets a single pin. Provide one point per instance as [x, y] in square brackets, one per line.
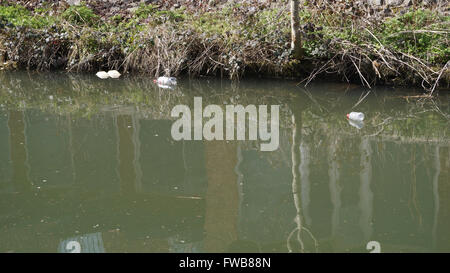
[166, 81]
[358, 116]
[114, 74]
[102, 75]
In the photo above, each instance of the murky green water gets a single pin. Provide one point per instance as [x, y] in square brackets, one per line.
[93, 161]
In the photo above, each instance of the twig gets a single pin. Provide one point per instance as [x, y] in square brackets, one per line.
[313, 75]
[361, 100]
[360, 74]
[437, 80]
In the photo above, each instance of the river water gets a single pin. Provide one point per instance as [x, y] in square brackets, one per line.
[90, 165]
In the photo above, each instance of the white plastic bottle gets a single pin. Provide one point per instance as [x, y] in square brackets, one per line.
[358, 116]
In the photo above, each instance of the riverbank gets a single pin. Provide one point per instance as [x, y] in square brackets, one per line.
[352, 42]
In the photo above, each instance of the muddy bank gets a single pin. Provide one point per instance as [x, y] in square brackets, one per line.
[371, 44]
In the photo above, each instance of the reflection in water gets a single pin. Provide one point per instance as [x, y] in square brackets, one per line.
[97, 165]
[16, 125]
[443, 219]
[356, 124]
[221, 196]
[335, 188]
[296, 187]
[126, 153]
[298, 181]
[304, 178]
[437, 165]
[365, 192]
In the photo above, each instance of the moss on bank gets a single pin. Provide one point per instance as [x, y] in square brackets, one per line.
[406, 46]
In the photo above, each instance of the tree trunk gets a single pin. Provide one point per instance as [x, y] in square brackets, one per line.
[296, 43]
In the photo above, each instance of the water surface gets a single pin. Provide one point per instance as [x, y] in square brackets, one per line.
[93, 161]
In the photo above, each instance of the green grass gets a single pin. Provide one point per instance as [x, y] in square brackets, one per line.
[258, 39]
[422, 33]
[419, 32]
[18, 15]
[267, 26]
[80, 14]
